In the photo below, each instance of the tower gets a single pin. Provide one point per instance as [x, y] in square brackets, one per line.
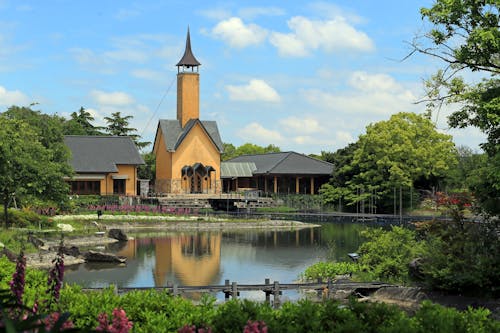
[188, 86]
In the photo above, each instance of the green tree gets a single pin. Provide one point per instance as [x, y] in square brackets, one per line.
[465, 35]
[404, 151]
[147, 170]
[118, 125]
[230, 151]
[27, 168]
[80, 123]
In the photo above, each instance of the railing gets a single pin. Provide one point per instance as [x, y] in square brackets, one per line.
[275, 289]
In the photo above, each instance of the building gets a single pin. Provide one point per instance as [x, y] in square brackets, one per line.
[187, 149]
[285, 172]
[103, 165]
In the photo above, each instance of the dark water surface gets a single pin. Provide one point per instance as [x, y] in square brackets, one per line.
[208, 258]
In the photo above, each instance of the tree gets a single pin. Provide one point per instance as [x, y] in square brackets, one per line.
[118, 125]
[27, 168]
[230, 151]
[147, 170]
[81, 124]
[400, 152]
[466, 37]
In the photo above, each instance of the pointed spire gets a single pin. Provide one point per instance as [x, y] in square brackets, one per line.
[188, 59]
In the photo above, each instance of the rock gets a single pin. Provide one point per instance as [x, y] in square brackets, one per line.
[65, 227]
[37, 242]
[71, 251]
[93, 256]
[117, 234]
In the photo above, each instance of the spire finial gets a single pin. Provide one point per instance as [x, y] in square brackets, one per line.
[188, 60]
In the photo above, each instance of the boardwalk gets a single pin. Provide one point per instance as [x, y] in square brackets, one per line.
[275, 289]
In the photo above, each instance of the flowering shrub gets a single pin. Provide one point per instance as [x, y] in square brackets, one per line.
[255, 327]
[18, 279]
[120, 323]
[141, 209]
[455, 204]
[56, 276]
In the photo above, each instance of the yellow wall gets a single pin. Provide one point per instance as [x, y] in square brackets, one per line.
[163, 158]
[130, 183]
[196, 147]
[188, 97]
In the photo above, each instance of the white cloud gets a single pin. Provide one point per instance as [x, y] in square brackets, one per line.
[116, 98]
[334, 35]
[255, 132]
[215, 13]
[147, 74]
[13, 97]
[373, 94]
[302, 125]
[238, 34]
[255, 90]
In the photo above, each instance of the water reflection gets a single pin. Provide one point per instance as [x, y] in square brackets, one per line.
[204, 258]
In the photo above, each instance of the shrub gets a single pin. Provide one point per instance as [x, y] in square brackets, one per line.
[24, 218]
[329, 270]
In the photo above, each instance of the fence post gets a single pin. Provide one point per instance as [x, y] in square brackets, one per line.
[234, 290]
[276, 292]
[268, 297]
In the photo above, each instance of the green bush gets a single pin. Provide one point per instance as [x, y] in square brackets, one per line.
[329, 270]
[23, 218]
[386, 255]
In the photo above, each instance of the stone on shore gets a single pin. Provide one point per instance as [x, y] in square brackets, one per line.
[65, 227]
[94, 256]
[118, 234]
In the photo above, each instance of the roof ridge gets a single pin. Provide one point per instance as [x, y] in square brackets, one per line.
[287, 154]
[313, 158]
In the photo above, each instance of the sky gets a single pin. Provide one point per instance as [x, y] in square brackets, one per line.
[302, 75]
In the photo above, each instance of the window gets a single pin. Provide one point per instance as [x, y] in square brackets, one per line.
[85, 187]
[119, 186]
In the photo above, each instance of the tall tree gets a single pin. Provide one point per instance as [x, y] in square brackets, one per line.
[80, 123]
[27, 167]
[465, 35]
[118, 125]
[400, 152]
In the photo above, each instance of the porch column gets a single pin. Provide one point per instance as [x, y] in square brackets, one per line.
[275, 184]
[265, 184]
[297, 185]
[312, 185]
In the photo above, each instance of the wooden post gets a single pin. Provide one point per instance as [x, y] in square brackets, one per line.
[226, 293]
[234, 290]
[268, 297]
[320, 291]
[276, 291]
[312, 185]
[297, 185]
[275, 184]
[175, 290]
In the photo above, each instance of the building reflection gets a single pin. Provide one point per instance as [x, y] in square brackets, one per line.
[194, 259]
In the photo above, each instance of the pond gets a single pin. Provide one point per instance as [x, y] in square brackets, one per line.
[209, 258]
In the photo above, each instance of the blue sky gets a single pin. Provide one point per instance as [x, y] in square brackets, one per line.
[303, 75]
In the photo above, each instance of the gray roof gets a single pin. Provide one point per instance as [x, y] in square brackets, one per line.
[101, 153]
[291, 163]
[174, 134]
[237, 169]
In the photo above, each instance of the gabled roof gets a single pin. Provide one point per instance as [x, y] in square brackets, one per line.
[101, 153]
[291, 163]
[174, 134]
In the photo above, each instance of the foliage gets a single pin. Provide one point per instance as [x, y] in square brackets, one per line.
[330, 270]
[466, 37]
[81, 124]
[22, 218]
[386, 255]
[461, 176]
[27, 167]
[405, 151]
[148, 170]
[118, 125]
[461, 256]
[230, 151]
